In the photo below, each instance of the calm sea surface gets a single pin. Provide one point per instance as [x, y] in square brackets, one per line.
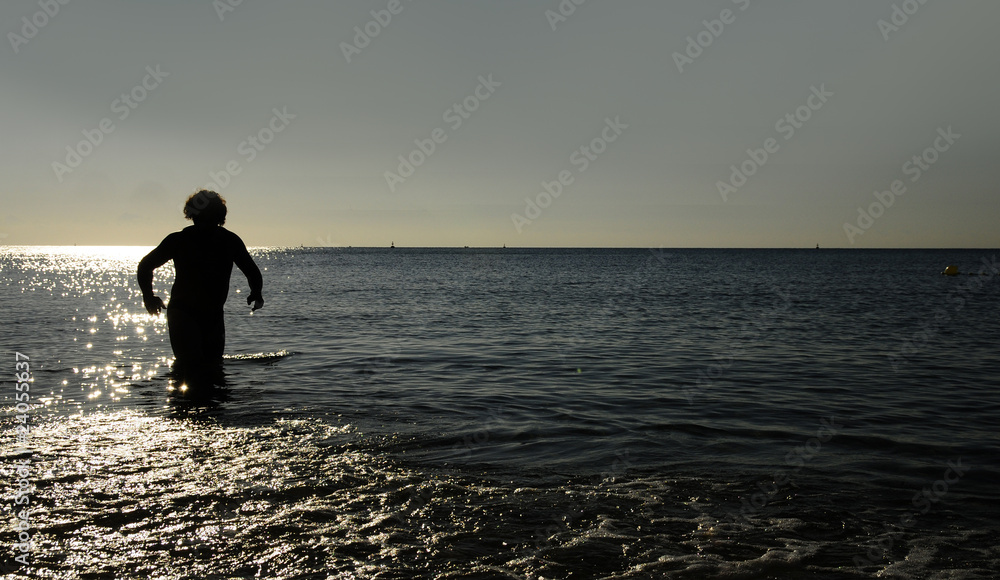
[489, 413]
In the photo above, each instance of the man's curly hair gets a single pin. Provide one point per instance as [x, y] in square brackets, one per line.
[205, 207]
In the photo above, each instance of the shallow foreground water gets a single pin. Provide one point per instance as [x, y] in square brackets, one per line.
[489, 413]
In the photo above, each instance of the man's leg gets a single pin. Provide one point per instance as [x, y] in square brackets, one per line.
[214, 341]
[198, 340]
[185, 340]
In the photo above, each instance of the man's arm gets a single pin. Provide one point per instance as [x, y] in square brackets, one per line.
[246, 265]
[153, 260]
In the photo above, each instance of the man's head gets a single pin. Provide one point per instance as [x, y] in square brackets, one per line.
[206, 207]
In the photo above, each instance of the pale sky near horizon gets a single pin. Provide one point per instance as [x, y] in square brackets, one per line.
[171, 93]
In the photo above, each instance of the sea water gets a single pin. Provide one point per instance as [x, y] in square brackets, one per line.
[510, 413]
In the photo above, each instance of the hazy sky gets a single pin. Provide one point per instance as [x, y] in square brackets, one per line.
[114, 111]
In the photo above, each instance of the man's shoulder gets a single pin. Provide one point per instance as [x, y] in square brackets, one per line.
[233, 241]
[174, 237]
[229, 235]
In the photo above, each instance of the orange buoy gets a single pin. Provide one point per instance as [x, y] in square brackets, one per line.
[951, 271]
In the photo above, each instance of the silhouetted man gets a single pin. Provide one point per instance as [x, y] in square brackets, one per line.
[203, 256]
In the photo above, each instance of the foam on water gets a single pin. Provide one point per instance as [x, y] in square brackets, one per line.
[257, 356]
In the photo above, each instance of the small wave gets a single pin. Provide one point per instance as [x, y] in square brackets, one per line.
[258, 356]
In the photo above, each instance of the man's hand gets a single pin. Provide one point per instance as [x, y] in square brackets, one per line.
[153, 304]
[258, 301]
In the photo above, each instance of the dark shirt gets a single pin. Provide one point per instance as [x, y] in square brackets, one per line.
[203, 258]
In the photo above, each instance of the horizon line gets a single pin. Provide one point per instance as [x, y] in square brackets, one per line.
[502, 247]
